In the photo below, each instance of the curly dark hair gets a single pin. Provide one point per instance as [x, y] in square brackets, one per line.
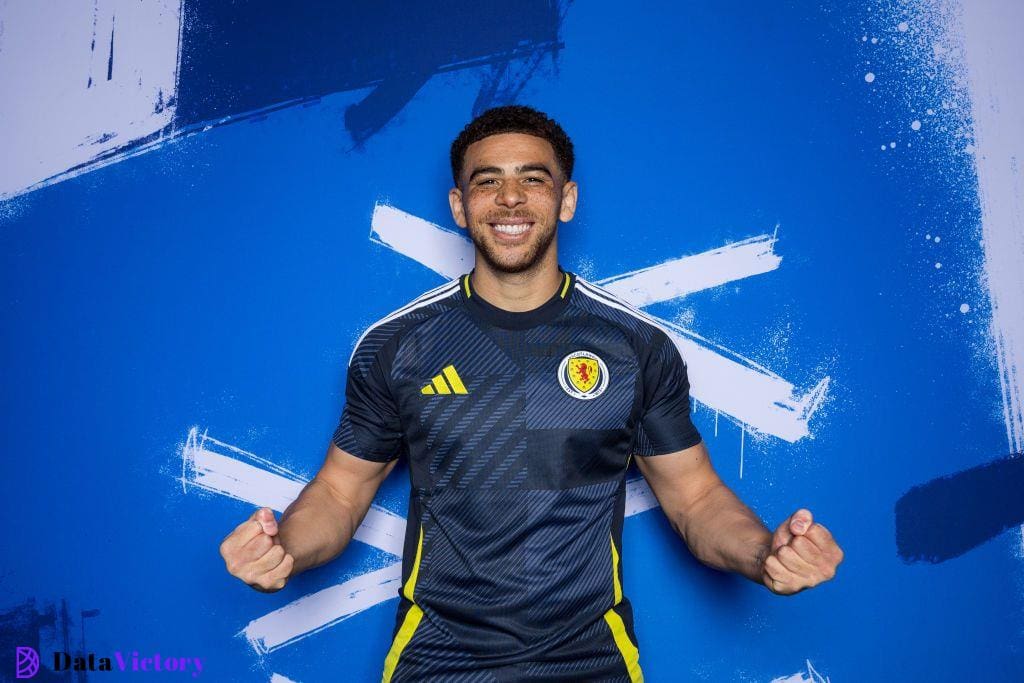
[513, 118]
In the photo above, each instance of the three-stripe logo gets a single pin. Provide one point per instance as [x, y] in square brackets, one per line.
[448, 382]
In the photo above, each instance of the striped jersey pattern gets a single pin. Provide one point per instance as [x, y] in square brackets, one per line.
[518, 429]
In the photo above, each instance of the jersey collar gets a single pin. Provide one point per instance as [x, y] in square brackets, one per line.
[517, 320]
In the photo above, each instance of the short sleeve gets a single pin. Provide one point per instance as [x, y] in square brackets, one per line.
[665, 425]
[369, 427]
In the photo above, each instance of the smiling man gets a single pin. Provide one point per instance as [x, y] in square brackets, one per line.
[519, 393]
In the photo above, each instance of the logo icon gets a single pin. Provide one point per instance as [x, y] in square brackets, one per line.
[583, 375]
[438, 385]
[27, 662]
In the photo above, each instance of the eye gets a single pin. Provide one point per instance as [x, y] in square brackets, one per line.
[534, 179]
[485, 181]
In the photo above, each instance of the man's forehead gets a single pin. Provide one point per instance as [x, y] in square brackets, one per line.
[509, 149]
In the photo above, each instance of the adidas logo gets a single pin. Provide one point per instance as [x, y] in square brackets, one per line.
[438, 385]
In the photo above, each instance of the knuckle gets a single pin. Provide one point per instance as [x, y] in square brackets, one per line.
[773, 567]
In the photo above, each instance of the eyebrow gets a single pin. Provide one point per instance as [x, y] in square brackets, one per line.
[526, 168]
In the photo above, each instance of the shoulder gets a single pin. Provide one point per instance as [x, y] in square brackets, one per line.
[615, 310]
[386, 331]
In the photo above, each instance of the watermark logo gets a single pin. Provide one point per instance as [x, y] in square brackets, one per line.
[27, 662]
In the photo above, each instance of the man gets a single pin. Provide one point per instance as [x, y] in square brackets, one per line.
[519, 394]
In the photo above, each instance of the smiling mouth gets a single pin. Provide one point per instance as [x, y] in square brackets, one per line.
[511, 226]
[510, 229]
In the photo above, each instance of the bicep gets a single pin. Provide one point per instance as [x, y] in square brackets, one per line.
[679, 479]
[353, 480]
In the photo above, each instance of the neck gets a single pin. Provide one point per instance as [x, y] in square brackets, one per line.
[518, 292]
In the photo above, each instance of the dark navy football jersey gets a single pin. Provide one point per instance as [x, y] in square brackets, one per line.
[518, 429]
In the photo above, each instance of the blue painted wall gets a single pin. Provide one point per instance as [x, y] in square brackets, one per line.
[222, 279]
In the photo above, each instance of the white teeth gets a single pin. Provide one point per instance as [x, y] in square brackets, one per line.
[512, 229]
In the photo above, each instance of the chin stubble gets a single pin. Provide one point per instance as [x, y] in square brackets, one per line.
[540, 248]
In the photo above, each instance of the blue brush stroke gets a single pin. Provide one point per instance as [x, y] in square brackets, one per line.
[234, 61]
[952, 515]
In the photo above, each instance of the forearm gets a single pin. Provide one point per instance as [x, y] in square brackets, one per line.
[317, 526]
[725, 534]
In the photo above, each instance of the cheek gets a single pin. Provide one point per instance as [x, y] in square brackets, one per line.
[544, 200]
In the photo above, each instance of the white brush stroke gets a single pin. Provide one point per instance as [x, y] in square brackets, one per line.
[748, 392]
[734, 385]
[52, 119]
[315, 612]
[225, 469]
[810, 676]
[450, 254]
[278, 678]
[443, 251]
[639, 497]
[682, 276]
[994, 53]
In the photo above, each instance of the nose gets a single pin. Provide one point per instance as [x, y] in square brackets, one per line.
[510, 195]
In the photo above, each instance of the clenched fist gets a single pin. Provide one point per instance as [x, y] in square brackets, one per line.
[253, 553]
[803, 554]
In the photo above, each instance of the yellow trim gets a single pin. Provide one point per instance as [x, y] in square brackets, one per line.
[441, 385]
[411, 621]
[615, 572]
[630, 654]
[455, 380]
[428, 390]
[565, 287]
[465, 285]
[410, 586]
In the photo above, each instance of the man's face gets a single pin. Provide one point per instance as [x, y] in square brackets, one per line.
[511, 196]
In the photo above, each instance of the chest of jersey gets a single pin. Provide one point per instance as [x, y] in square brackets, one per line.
[550, 407]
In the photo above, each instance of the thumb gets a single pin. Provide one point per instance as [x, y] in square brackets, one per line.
[796, 524]
[800, 522]
[265, 516]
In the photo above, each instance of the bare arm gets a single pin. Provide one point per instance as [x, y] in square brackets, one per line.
[319, 524]
[718, 528]
[314, 529]
[724, 533]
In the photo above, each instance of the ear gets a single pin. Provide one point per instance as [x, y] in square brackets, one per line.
[458, 211]
[570, 193]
